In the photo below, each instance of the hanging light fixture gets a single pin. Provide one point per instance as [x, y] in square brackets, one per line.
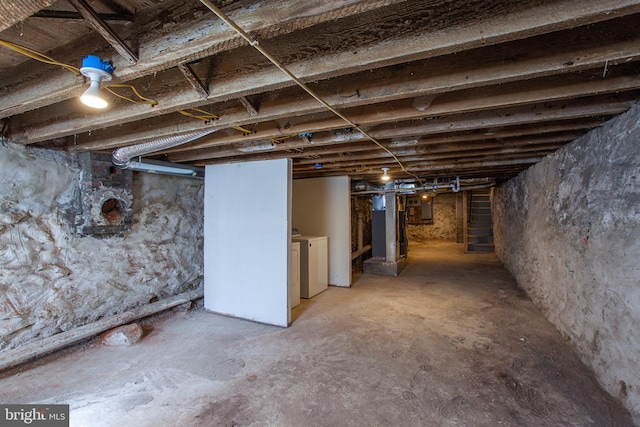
[96, 70]
[385, 175]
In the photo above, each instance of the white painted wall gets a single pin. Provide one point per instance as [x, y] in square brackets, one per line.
[322, 207]
[247, 238]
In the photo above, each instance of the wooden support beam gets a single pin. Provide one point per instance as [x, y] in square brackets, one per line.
[105, 31]
[64, 14]
[530, 114]
[16, 11]
[253, 111]
[195, 82]
[161, 51]
[462, 72]
[328, 143]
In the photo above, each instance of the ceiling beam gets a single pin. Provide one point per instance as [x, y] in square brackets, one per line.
[439, 75]
[15, 11]
[193, 80]
[253, 111]
[327, 144]
[104, 30]
[535, 113]
[159, 49]
[64, 14]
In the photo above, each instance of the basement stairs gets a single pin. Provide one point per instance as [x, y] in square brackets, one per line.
[479, 228]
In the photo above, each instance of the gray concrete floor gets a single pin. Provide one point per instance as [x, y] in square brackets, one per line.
[450, 342]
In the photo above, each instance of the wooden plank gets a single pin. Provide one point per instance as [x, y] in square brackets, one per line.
[16, 11]
[64, 14]
[105, 31]
[253, 112]
[459, 75]
[365, 150]
[64, 339]
[537, 113]
[194, 80]
[166, 39]
[327, 143]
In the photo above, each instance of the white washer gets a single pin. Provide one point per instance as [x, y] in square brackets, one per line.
[314, 265]
[294, 279]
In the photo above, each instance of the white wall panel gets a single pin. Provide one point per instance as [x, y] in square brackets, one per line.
[247, 238]
[322, 207]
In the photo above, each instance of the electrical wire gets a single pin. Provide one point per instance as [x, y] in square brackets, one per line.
[143, 99]
[33, 54]
[207, 116]
[38, 56]
[202, 115]
[254, 43]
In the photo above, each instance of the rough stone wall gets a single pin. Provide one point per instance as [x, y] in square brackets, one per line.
[52, 280]
[568, 229]
[444, 221]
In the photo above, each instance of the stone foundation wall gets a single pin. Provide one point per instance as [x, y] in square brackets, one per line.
[444, 221]
[52, 279]
[568, 229]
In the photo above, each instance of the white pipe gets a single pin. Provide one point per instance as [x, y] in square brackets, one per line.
[455, 187]
[359, 252]
[423, 189]
[166, 168]
[31, 351]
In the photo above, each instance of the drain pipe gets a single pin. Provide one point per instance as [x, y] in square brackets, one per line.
[28, 352]
[455, 187]
[122, 156]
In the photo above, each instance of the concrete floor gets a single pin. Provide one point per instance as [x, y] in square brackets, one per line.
[450, 342]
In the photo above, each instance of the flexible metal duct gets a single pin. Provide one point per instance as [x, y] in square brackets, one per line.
[122, 156]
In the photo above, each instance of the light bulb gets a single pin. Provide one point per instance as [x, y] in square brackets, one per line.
[385, 176]
[92, 97]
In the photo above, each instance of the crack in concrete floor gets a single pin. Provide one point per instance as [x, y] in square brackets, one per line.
[451, 341]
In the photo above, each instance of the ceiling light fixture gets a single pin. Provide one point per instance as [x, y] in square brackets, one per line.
[96, 70]
[385, 175]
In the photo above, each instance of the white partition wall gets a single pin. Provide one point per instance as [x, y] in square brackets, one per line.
[322, 207]
[247, 240]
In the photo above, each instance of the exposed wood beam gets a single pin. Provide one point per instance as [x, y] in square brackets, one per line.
[16, 11]
[64, 14]
[159, 50]
[105, 31]
[473, 166]
[253, 111]
[194, 80]
[458, 72]
[430, 153]
[365, 155]
[326, 144]
[405, 114]
[377, 162]
[587, 107]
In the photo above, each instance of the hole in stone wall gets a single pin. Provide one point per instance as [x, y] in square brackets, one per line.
[112, 210]
[113, 170]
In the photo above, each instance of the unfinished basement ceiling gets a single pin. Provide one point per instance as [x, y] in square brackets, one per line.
[475, 89]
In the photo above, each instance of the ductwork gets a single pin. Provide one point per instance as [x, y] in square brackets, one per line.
[435, 188]
[122, 156]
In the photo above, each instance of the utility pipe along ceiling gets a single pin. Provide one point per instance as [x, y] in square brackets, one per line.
[437, 92]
